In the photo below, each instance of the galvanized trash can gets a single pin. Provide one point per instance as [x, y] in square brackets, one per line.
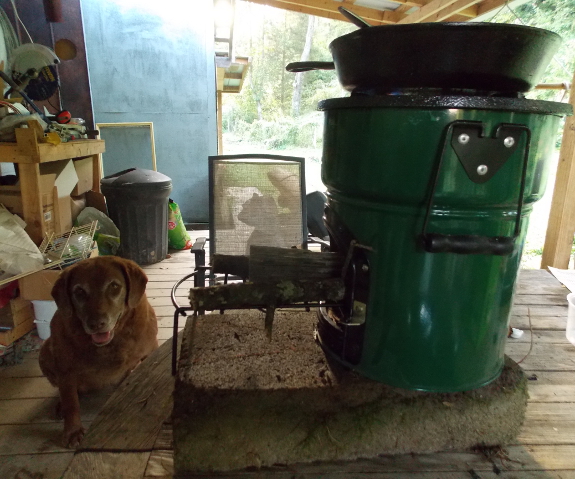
[429, 201]
[137, 201]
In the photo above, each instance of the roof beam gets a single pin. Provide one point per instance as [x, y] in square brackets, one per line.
[470, 12]
[458, 18]
[328, 9]
[488, 5]
[427, 11]
[438, 11]
[454, 9]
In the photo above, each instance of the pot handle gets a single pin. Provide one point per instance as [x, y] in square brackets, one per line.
[298, 67]
[477, 244]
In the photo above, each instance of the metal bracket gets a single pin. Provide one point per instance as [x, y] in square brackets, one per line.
[483, 156]
[476, 244]
[345, 339]
[356, 269]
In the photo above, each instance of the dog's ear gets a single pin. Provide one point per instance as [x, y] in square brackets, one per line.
[136, 281]
[60, 293]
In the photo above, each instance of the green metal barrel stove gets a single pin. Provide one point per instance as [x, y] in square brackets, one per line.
[429, 198]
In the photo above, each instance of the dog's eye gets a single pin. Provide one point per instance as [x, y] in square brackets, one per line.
[114, 288]
[80, 294]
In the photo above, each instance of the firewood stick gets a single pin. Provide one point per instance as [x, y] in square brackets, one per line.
[271, 264]
[262, 295]
[237, 265]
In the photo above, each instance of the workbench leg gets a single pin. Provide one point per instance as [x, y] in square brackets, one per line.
[32, 200]
[96, 171]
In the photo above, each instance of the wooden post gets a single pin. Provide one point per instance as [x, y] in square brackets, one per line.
[31, 200]
[561, 227]
[30, 183]
[219, 119]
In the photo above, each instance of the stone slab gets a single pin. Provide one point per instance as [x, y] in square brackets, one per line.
[242, 401]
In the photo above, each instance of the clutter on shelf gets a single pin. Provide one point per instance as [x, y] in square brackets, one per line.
[32, 76]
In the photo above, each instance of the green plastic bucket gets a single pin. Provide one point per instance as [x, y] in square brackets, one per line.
[430, 190]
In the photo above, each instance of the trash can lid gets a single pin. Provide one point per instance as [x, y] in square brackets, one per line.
[137, 177]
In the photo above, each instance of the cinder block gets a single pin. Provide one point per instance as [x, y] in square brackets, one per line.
[243, 402]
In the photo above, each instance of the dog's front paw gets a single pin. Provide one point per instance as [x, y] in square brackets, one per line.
[73, 436]
[58, 411]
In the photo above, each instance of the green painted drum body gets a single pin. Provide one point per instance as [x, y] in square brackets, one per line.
[433, 321]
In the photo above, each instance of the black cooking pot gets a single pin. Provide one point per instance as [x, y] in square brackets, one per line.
[477, 56]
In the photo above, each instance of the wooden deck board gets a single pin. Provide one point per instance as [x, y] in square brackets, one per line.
[559, 357]
[28, 368]
[556, 323]
[134, 414]
[27, 387]
[17, 439]
[39, 410]
[107, 465]
[33, 466]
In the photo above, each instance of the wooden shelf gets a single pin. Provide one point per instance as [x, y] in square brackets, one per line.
[28, 150]
[28, 154]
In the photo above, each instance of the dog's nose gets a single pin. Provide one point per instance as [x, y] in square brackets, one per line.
[97, 324]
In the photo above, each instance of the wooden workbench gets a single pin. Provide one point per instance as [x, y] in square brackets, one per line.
[28, 153]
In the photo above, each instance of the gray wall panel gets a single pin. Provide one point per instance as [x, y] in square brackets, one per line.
[155, 63]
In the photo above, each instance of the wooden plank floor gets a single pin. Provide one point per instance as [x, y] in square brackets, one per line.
[130, 435]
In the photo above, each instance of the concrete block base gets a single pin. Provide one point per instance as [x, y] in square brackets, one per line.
[243, 402]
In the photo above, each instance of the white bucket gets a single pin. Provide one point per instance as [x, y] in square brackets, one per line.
[43, 312]
[570, 331]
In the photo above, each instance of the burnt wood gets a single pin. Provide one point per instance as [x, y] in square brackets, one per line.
[271, 264]
[237, 265]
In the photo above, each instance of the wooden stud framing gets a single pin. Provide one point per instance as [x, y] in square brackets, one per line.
[328, 9]
[444, 13]
[489, 5]
[428, 11]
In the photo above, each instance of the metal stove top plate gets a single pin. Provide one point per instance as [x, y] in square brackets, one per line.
[517, 105]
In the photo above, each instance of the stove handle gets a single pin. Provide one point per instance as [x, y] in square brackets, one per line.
[474, 244]
[468, 244]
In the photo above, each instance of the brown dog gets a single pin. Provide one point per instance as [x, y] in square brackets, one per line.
[103, 328]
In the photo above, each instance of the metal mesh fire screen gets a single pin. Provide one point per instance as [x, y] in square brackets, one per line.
[256, 200]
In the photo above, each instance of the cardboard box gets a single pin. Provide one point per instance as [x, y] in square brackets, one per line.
[38, 286]
[96, 200]
[11, 198]
[48, 199]
[21, 314]
[64, 184]
[85, 171]
[77, 204]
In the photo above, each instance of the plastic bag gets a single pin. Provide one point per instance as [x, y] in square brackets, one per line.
[18, 253]
[107, 235]
[107, 245]
[178, 237]
[9, 123]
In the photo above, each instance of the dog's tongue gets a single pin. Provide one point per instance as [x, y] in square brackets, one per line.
[100, 338]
